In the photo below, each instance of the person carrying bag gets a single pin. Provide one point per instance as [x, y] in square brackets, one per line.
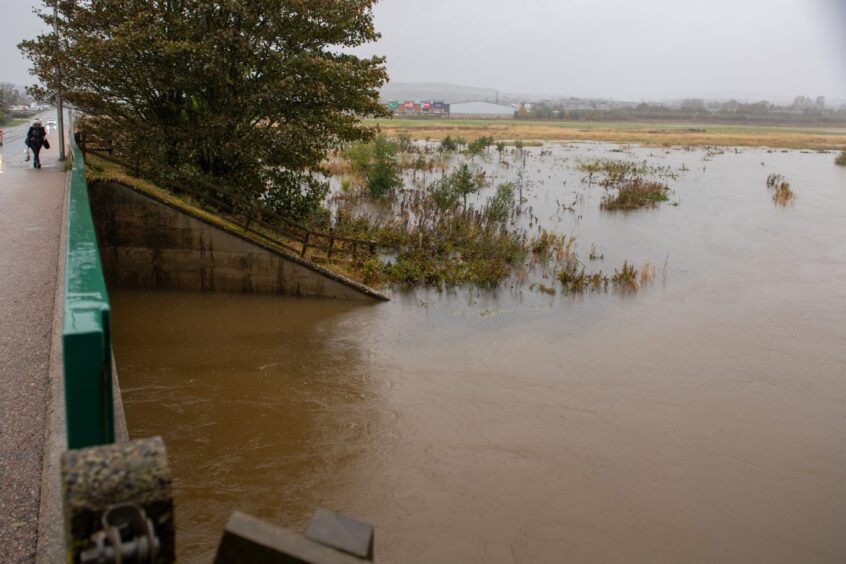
[36, 138]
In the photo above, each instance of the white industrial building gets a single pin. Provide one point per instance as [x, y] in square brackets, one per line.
[480, 110]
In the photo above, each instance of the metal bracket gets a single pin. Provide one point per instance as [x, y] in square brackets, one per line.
[128, 537]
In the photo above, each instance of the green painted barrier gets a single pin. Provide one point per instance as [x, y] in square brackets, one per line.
[86, 335]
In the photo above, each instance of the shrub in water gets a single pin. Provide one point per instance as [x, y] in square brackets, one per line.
[448, 144]
[383, 173]
[501, 204]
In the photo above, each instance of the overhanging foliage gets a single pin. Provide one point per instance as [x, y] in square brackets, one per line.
[251, 93]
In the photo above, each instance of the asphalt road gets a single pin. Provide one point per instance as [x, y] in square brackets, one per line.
[30, 220]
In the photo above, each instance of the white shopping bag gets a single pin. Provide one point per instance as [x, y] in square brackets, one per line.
[26, 155]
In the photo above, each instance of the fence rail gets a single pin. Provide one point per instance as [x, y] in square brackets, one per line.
[254, 219]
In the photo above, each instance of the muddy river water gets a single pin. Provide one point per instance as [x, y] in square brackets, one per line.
[701, 419]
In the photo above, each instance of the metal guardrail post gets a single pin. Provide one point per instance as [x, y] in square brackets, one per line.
[86, 335]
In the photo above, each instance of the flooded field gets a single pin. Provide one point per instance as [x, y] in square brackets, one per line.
[698, 420]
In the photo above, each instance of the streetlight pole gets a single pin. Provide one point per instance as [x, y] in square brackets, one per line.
[59, 106]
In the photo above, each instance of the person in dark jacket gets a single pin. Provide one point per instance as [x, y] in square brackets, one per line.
[36, 138]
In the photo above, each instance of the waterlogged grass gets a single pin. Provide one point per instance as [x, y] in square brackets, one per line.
[632, 194]
[841, 158]
[575, 279]
[625, 182]
[440, 241]
[612, 168]
[781, 192]
[458, 249]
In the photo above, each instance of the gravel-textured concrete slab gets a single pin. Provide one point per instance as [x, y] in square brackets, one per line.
[30, 220]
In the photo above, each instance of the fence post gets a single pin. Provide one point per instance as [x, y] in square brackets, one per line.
[250, 215]
[305, 244]
[331, 243]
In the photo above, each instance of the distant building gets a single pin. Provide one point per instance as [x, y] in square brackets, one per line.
[481, 110]
[417, 108]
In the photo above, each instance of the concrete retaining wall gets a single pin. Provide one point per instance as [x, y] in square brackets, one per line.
[147, 244]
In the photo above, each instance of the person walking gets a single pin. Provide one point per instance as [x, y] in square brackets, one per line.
[36, 138]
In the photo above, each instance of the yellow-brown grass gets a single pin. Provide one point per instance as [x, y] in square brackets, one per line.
[733, 136]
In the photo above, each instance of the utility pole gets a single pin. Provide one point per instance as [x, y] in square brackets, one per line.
[59, 106]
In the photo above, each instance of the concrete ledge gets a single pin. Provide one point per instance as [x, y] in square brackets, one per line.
[150, 242]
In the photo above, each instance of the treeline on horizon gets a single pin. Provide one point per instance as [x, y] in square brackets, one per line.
[803, 110]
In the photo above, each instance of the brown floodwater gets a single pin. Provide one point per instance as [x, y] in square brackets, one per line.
[701, 419]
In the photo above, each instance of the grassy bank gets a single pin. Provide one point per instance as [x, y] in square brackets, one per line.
[15, 122]
[640, 133]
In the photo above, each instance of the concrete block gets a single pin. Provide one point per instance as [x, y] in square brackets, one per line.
[341, 533]
[94, 479]
[247, 539]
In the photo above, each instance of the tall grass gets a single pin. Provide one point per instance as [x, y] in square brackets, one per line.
[782, 194]
[636, 193]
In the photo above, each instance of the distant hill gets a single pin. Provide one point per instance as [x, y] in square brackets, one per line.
[454, 94]
[435, 91]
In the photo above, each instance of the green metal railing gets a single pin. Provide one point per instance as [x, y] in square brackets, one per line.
[86, 335]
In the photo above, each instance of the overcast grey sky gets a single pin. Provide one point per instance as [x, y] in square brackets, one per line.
[624, 49]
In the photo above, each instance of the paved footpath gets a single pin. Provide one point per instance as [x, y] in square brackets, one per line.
[31, 204]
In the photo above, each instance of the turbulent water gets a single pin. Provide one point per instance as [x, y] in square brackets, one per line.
[700, 419]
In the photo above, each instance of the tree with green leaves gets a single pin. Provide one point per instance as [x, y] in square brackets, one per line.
[252, 94]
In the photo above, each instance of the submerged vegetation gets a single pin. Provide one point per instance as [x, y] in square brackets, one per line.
[782, 194]
[635, 193]
[626, 185]
[613, 169]
[443, 235]
[575, 279]
[382, 172]
[479, 146]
